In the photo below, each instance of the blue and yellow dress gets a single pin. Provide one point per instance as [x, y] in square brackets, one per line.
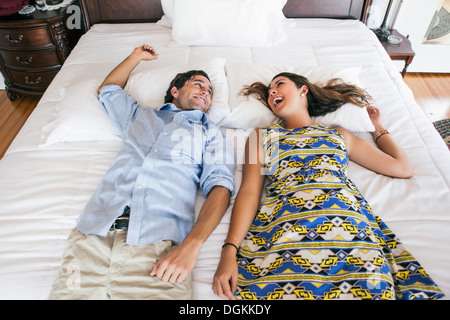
[314, 236]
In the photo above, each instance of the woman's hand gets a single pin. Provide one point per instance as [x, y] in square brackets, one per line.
[374, 115]
[225, 278]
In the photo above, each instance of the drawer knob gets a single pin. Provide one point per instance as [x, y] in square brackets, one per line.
[28, 81]
[30, 60]
[10, 39]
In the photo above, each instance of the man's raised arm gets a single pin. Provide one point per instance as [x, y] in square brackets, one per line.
[119, 75]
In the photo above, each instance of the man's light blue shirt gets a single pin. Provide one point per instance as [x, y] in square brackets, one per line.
[165, 156]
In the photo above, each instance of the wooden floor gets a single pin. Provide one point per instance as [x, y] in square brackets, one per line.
[431, 91]
[13, 115]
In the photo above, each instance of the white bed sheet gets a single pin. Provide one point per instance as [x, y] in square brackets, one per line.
[44, 189]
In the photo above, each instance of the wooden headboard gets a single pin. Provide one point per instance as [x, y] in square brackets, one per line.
[120, 11]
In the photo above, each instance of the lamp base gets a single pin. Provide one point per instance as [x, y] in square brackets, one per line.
[382, 33]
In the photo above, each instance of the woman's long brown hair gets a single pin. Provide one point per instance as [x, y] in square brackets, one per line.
[322, 99]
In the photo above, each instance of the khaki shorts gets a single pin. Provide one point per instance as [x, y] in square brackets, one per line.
[97, 267]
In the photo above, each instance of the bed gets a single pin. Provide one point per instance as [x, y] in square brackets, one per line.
[62, 152]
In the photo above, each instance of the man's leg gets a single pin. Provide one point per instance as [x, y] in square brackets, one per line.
[130, 272]
[107, 268]
[85, 268]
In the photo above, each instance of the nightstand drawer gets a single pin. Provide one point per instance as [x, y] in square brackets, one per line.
[25, 38]
[30, 59]
[32, 80]
[33, 48]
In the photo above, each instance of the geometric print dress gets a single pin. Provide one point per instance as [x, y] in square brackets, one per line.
[314, 236]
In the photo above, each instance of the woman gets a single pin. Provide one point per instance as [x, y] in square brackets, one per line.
[313, 236]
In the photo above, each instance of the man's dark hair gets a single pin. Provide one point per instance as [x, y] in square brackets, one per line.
[179, 81]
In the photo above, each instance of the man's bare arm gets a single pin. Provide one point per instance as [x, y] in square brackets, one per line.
[177, 264]
[120, 74]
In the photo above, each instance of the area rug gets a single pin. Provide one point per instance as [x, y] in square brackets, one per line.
[443, 127]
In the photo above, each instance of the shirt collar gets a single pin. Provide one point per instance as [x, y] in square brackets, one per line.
[194, 115]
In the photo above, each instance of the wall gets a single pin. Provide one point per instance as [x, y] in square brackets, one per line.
[413, 20]
[377, 11]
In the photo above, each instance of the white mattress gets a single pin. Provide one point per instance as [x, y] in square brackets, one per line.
[43, 189]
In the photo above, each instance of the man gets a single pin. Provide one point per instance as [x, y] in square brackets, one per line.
[136, 238]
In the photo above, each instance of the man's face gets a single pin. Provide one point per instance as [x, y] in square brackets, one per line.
[196, 94]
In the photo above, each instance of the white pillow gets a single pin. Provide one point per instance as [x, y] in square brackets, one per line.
[164, 22]
[167, 18]
[148, 87]
[235, 23]
[247, 112]
[167, 6]
[81, 117]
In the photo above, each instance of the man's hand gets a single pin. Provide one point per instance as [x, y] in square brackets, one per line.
[146, 53]
[176, 265]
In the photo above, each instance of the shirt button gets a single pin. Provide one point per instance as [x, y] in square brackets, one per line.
[139, 187]
[156, 150]
[165, 133]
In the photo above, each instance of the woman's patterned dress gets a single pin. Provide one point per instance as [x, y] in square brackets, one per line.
[314, 236]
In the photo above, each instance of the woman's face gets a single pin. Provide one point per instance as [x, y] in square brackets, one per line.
[284, 95]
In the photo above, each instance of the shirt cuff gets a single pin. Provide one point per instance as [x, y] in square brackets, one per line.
[218, 181]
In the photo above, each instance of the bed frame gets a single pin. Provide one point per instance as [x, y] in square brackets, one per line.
[119, 11]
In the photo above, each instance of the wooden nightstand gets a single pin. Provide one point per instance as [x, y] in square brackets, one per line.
[33, 48]
[403, 51]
